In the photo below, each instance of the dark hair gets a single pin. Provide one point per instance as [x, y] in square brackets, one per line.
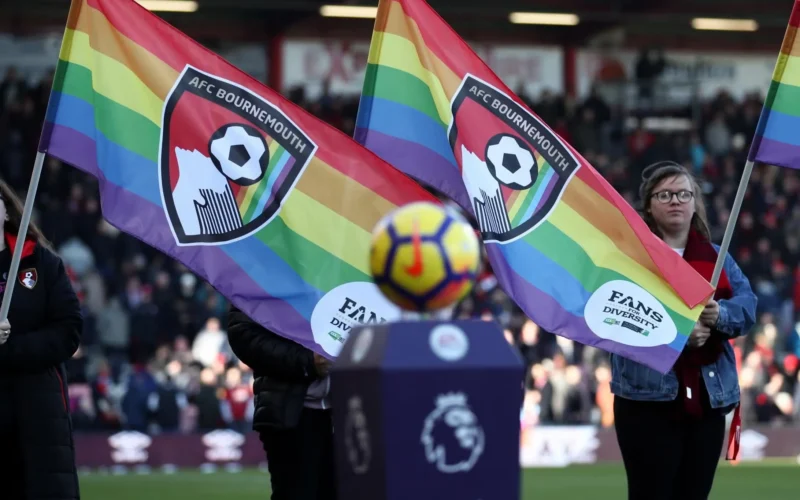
[14, 209]
[652, 177]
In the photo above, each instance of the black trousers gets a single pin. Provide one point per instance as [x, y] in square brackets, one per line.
[12, 473]
[667, 458]
[301, 460]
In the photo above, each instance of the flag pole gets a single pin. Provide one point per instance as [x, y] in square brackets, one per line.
[737, 205]
[23, 231]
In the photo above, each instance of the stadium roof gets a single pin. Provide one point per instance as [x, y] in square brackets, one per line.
[658, 22]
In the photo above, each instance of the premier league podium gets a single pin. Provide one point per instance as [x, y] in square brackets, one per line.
[427, 410]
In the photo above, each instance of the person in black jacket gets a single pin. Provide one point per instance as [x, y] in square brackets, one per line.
[292, 411]
[42, 332]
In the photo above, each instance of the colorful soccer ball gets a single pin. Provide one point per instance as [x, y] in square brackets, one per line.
[424, 257]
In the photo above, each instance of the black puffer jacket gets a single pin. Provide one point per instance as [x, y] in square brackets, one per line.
[283, 371]
[46, 325]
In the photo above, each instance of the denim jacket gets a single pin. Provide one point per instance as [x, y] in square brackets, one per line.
[632, 380]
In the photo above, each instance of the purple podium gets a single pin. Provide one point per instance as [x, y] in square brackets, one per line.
[427, 410]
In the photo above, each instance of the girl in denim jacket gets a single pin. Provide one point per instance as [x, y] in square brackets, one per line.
[671, 428]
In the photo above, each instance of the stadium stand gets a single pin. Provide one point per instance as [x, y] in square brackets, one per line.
[155, 358]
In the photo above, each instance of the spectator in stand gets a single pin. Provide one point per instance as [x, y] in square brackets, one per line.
[207, 400]
[237, 401]
[586, 134]
[682, 414]
[12, 89]
[103, 400]
[141, 386]
[210, 344]
[649, 67]
[718, 137]
[124, 331]
[166, 404]
[604, 399]
[38, 457]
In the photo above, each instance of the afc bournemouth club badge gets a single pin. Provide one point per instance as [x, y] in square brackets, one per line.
[28, 278]
[514, 166]
[225, 176]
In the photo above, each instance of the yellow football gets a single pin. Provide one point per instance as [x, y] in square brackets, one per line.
[424, 257]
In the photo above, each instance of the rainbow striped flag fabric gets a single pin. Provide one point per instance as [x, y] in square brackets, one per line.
[563, 243]
[777, 137]
[267, 203]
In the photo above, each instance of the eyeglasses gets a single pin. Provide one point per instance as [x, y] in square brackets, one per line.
[684, 196]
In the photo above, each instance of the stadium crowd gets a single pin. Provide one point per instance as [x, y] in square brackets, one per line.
[155, 357]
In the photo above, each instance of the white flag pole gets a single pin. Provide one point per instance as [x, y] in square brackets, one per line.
[726, 239]
[22, 233]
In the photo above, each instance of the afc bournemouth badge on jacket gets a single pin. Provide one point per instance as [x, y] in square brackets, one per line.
[28, 278]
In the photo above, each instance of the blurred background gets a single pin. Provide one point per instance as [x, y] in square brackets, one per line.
[627, 82]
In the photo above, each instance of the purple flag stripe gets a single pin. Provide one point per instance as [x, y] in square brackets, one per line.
[134, 215]
[569, 325]
[417, 161]
[274, 183]
[547, 190]
[775, 153]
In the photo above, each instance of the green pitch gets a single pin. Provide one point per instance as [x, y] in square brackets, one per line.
[772, 480]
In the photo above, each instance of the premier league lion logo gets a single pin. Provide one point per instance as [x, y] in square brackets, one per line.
[356, 436]
[452, 436]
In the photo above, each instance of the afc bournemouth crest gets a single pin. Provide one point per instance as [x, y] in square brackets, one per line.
[28, 278]
[228, 159]
[514, 167]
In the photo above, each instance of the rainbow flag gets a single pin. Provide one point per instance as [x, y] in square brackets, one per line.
[267, 203]
[777, 137]
[563, 243]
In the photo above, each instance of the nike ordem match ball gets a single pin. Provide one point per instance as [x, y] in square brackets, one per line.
[424, 257]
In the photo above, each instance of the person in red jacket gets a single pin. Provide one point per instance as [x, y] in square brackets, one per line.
[238, 396]
[42, 332]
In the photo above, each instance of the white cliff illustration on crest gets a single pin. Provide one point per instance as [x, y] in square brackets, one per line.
[485, 195]
[204, 201]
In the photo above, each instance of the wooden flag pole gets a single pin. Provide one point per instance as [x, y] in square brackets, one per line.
[737, 205]
[22, 233]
